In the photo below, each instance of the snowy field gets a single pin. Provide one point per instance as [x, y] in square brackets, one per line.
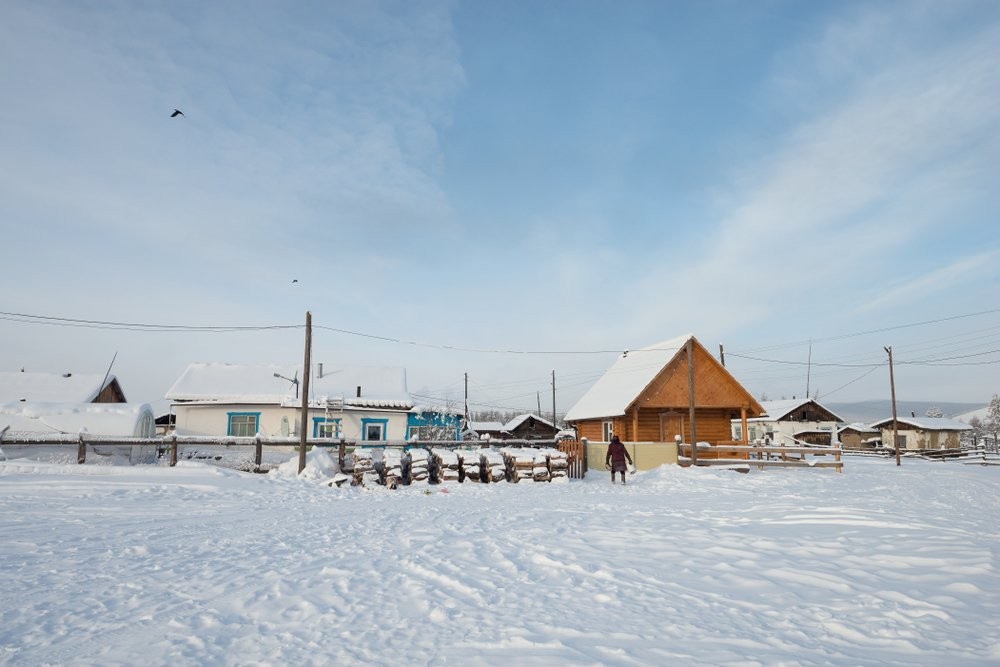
[198, 565]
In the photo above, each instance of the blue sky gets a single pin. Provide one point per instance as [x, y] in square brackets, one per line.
[543, 176]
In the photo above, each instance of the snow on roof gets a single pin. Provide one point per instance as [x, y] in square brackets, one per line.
[113, 419]
[777, 409]
[520, 419]
[486, 426]
[51, 387]
[625, 380]
[926, 423]
[258, 383]
[859, 427]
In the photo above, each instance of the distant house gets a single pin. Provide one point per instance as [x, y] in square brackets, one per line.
[70, 403]
[644, 397]
[916, 433]
[859, 436]
[357, 403]
[426, 422]
[19, 386]
[791, 421]
[530, 427]
[477, 430]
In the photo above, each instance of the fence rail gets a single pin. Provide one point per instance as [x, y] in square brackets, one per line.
[170, 444]
[725, 454]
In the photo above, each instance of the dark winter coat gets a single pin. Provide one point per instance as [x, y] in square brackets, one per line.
[617, 455]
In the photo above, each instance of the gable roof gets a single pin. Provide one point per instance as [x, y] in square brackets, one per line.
[631, 375]
[777, 410]
[621, 384]
[926, 423]
[51, 387]
[381, 386]
[520, 419]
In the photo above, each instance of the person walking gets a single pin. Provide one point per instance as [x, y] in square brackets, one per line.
[616, 457]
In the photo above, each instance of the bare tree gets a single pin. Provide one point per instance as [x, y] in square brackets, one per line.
[935, 412]
[977, 431]
[992, 423]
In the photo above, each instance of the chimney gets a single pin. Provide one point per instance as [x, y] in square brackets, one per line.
[359, 391]
[319, 369]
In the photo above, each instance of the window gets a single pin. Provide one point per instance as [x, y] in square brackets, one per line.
[243, 424]
[901, 441]
[608, 430]
[373, 429]
[326, 428]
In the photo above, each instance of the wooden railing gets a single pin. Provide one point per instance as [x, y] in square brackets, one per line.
[736, 455]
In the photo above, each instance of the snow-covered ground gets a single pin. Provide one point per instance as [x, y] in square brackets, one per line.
[104, 564]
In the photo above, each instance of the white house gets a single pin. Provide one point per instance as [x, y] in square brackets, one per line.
[791, 421]
[923, 432]
[360, 403]
[69, 403]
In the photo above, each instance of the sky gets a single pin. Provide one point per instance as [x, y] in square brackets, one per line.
[197, 565]
[505, 190]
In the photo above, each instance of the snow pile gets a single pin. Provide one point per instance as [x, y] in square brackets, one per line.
[319, 466]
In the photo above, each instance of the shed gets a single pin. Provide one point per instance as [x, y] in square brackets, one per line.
[530, 427]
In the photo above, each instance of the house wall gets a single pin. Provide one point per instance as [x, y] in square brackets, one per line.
[645, 455]
[213, 420]
[711, 425]
[783, 432]
[919, 439]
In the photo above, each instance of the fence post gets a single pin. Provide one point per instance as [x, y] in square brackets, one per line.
[258, 451]
[173, 450]
[81, 451]
[586, 463]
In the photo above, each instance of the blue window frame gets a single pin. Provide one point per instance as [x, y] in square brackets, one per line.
[373, 429]
[242, 424]
[326, 428]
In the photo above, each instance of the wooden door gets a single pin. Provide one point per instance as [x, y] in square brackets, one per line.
[671, 425]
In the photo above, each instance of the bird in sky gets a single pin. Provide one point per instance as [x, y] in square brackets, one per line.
[295, 280]
[176, 113]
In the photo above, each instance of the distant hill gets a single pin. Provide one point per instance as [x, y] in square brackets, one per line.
[870, 411]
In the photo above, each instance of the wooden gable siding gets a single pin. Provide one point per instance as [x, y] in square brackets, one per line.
[112, 393]
[713, 386]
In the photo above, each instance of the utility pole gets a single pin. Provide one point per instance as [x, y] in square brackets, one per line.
[538, 398]
[305, 394]
[895, 426]
[553, 401]
[466, 399]
[809, 368]
[722, 356]
[694, 436]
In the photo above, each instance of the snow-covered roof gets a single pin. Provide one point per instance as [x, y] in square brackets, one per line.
[520, 419]
[381, 386]
[775, 410]
[51, 387]
[631, 373]
[113, 419]
[486, 426]
[926, 423]
[859, 427]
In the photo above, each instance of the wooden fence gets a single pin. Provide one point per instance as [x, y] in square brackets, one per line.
[577, 454]
[171, 445]
[743, 456]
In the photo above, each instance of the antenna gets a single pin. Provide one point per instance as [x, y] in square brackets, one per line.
[294, 380]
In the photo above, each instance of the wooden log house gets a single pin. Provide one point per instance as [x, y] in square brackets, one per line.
[645, 397]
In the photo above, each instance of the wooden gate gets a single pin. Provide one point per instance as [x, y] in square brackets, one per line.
[577, 455]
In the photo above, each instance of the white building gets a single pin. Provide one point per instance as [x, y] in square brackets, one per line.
[358, 403]
[789, 422]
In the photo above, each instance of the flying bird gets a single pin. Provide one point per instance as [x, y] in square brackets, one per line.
[295, 280]
[176, 113]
